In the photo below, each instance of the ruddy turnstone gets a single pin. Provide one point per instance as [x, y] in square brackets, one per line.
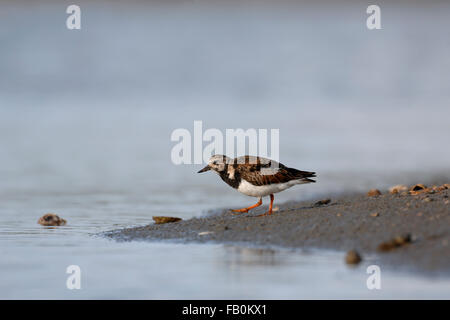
[257, 176]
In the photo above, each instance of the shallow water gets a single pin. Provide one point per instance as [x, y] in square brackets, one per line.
[86, 119]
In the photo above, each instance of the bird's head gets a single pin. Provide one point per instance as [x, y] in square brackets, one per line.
[217, 163]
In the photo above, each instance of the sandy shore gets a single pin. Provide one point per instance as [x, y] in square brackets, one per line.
[354, 222]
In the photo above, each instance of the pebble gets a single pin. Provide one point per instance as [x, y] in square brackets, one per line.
[352, 257]
[161, 220]
[204, 233]
[374, 214]
[322, 202]
[394, 243]
[373, 193]
[398, 188]
[51, 219]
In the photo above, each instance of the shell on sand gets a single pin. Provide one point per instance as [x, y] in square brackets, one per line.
[417, 187]
[420, 189]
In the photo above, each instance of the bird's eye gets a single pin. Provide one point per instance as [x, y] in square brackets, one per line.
[215, 162]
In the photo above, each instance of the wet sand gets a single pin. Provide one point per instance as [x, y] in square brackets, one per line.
[353, 222]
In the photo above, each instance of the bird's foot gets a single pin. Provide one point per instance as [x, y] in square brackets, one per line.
[268, 213]
[245, 210]
[238, 211]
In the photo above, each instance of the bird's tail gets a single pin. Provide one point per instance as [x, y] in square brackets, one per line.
[303, 175]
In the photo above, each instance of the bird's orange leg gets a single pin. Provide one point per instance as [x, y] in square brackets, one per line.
[270, 207]
[249, 208]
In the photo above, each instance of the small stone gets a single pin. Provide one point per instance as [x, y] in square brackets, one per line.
[394, 243]
[401, 240]
[204, 233]
[51, 219]
[427, 199]
[374, 214]
[446, 202]
[322, 202]
[352, 257]
[373, 193]
[420, 214]
[339, 215]
[161, 220]
[385, 246]
[398, 188]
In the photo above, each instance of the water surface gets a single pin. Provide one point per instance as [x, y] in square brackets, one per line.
[86, 118]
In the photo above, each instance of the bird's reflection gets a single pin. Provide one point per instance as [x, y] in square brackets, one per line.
[245, 256]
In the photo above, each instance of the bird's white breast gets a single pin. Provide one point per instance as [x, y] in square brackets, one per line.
[249, 189]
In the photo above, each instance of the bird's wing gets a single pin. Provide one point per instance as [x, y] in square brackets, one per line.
[261, 171]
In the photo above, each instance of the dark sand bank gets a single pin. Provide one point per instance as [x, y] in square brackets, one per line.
[351, 222]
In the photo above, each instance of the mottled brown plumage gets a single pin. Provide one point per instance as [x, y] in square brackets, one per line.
[261, 171]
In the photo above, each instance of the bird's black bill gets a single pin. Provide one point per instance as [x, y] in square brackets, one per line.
[205, 169]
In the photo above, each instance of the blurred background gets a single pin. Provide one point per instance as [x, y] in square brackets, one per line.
[86, 115]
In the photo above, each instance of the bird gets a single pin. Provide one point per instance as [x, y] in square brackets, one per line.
[257, 177]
